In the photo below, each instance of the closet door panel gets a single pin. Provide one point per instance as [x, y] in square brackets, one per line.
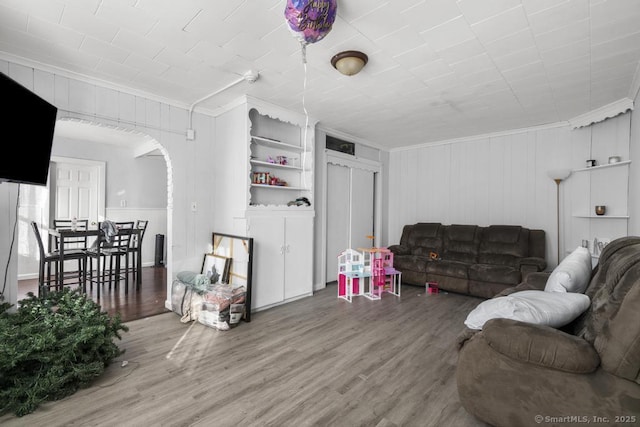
[361, 208]
[338, 188]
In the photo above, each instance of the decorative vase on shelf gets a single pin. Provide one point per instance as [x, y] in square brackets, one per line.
[600, 210]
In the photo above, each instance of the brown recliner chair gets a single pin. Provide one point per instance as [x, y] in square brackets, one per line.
[515, 373]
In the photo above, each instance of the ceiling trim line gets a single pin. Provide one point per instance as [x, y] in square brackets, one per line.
[482, 136]
[635, 84]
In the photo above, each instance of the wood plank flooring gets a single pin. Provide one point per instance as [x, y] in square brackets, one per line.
[147, 300]
[318, 361]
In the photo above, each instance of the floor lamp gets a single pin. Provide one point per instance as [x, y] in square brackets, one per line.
[558, 175]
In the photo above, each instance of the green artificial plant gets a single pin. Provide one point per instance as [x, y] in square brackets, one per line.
[52, 346]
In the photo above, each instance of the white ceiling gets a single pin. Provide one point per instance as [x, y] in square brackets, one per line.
[438, 69]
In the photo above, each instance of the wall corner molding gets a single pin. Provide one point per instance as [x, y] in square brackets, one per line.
[635, 84]
[600, 114]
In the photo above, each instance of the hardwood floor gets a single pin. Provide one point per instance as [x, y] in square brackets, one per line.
[318, 361]
[146, 301]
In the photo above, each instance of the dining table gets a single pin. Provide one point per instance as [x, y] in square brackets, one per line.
[96, 235]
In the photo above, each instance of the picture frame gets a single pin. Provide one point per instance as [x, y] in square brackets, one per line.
[221, 264]
[239, 250]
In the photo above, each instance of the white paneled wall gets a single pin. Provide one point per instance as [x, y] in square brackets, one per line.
[502, 179]
[189, 163]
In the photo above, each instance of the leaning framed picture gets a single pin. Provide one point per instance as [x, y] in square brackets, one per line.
[217, 266]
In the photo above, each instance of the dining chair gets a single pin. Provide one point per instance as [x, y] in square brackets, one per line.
[45, 280]
[112, 250]
[72, 244]
[135, 246]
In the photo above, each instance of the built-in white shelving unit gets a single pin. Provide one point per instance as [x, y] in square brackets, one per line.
[258, 142]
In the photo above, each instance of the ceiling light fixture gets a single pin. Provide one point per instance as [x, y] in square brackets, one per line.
[349, 62]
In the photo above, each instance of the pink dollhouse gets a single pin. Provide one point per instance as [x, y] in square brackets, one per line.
[367, 266]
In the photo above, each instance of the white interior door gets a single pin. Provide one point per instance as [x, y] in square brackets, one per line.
[75, 192]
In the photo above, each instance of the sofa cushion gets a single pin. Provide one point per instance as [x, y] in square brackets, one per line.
[410, 262]
[553, 309]
[426, 234]
[461, 243]
[572, 274]
[503, 245]
[448, 268]
[422, 251]
[494, 273]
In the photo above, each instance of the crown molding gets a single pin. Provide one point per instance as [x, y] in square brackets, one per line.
[600, 114]
[482, 136]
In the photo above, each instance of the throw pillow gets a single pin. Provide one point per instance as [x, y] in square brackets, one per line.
[553, 309]
[572, 274]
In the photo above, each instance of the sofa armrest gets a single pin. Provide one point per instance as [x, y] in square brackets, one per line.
[533, 282]
[540, 345]
[537, 280]
[532, 264]
[400, 249]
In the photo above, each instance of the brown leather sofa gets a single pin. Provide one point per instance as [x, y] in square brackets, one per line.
[473, 260]
[513, 373]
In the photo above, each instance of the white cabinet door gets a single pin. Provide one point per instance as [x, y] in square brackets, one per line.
[283, 259]
[298, 257]
[268, 260]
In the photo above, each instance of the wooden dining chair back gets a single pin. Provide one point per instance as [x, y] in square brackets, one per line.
[79, 243]
[112, 251]
[47, 280]
[135, 246]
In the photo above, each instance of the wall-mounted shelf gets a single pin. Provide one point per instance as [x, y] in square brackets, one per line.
[279, 187]
[602, 216]
[275, 165]
[281, 148]
[608, 165]
[273, 143]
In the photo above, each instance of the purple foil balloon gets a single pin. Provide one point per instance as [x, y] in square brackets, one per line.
[310, 20]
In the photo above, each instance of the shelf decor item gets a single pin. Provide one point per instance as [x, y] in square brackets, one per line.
[614, 159]
[600, 209]
[591, 163]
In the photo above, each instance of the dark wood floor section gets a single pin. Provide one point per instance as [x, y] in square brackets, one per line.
[319, 361]
[147, 300]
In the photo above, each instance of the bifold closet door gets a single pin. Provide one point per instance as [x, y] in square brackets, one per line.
[350, 211]
[338, 207]
[362, 183]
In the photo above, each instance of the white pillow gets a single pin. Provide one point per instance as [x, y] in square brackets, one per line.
[572, 274]
[553, 309]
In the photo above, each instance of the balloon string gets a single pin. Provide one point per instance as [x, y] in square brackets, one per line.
[306, 123]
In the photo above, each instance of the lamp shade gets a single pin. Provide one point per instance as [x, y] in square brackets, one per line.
[349, 62]
[559, 174]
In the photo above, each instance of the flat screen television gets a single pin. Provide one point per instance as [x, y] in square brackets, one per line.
[31, 120]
